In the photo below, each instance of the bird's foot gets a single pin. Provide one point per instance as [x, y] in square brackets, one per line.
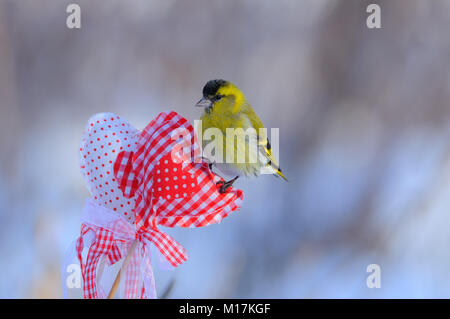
[226, 185]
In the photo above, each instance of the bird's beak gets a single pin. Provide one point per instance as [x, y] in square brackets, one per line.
[204, 102]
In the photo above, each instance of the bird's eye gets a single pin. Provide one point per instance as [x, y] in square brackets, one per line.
[218, 97]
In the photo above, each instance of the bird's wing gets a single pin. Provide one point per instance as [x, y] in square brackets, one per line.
[257, 124]
[263, 141]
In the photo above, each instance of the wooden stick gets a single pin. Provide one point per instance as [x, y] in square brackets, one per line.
[116, 283]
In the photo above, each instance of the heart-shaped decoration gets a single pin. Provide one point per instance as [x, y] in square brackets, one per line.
[118, 161]
[172, 185]
[106, 135]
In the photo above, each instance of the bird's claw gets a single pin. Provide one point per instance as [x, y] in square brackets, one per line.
[225, 185]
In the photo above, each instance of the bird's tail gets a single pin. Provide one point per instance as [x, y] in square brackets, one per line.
[278, 173]
[272, 164]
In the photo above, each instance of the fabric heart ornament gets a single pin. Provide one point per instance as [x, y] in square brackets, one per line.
[105, 136]
[172, 185]
[140, 181]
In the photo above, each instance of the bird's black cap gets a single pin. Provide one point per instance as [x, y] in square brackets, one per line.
[212, 86]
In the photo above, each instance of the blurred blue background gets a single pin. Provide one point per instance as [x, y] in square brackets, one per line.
[364, 138]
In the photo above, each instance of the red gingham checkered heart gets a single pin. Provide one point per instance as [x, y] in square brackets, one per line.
[153, 183]
[167, 192]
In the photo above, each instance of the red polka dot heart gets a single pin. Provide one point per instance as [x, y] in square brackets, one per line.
[171, 181]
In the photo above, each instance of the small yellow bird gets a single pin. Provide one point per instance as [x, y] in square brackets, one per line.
[225, 107]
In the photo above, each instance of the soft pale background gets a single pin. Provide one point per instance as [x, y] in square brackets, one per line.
[364, 137]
